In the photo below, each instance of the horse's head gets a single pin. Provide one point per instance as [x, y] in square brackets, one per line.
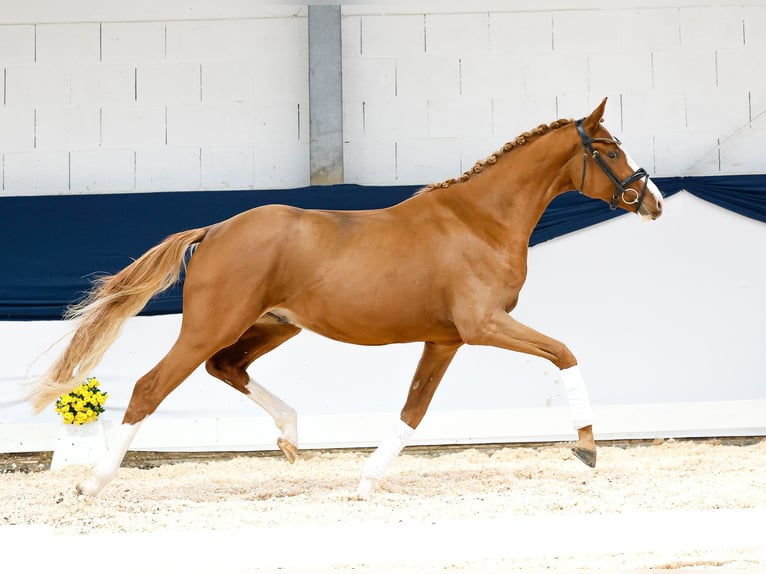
[607, 172]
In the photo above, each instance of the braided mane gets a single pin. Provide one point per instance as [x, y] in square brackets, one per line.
[479, 166]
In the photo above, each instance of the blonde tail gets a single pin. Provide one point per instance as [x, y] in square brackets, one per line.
[100, 316]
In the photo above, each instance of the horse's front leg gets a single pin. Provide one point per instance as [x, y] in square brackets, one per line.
[504, 332]
[431, 368]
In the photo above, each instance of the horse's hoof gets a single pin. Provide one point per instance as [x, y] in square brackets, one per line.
[586, 455]
[365, 489]
[288, 449]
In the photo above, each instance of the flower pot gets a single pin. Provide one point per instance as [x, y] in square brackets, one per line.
[79, 444]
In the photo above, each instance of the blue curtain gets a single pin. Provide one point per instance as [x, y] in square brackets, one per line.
[53, 246]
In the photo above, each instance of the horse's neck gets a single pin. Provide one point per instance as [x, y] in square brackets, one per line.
[509, 198]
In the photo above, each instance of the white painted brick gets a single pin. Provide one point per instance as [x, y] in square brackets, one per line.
[512, 117]
[723, 111]
[556, 73]
[584, 30]
[351, 36]
[132, 42]
[279, 78]
[369, 162]
[36, 173]
[640, 147]
[168, 169]
[17, 45]
[521, 32]
[201, 40]
[102, 171]
[394, 118]
[134, 126]
[496, 75]
[234, 124]
[169, 83]
[428, 75]
[228, 167]
[281, 165]
[646, 28]
[103, 84]
[457, 34]
[369, 76]
[284, 39]
[36, 85]
[686, 152]
[742, 68]
[67, 128]
[755, 25]
[744, 152]
[653, 111]
[393, 35]
[685, 69]
[619, 71]
[353, 120]
[420, 162]
[716, 26]
[227, 82]
[459, 117]
[68, 43]
[17, 132]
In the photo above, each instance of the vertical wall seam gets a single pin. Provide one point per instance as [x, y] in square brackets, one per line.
[100, 42]
[34, 128]
[425, 34]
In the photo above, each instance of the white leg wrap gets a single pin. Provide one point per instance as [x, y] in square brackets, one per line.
[379, 461]
[119, 442]
[577, 395]
[283, 414]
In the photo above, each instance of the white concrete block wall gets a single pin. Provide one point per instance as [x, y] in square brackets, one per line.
[682, 82]
[682, 79]
[110, 99]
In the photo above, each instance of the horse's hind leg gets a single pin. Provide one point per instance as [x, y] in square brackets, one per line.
[431, 368]
[148, 393]
[230, 365]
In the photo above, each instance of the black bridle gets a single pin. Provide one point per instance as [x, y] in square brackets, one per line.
[620, 187]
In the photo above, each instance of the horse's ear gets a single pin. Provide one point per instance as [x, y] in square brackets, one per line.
[592, 121]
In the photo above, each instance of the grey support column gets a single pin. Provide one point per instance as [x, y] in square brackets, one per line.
[325, 95]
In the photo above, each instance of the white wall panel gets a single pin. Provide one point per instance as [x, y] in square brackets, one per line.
[132, 42]
[169, 83]
[68, 43]
[227, 82]
[521, 32]
[425, 161]
[168, 169]
[36, 85]
[279, 165]
[459, 117]
[370, 162]
[17, 44]
[393, 35]
[134, 126]
[422, 75]
[102, 84]
[17, 129]
[457, 34]
[369, 77]
[229, 167]
[36, 173]
[67, 128]
[102, 170]
[719, 26]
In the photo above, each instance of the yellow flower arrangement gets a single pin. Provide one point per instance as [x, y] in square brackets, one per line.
[83, 404]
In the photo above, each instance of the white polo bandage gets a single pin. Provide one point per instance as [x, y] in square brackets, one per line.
[577, 396]
[393, 443]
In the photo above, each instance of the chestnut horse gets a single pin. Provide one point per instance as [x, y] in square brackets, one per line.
[443, 267]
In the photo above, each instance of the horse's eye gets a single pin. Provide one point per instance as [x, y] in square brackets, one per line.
[612, 154]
